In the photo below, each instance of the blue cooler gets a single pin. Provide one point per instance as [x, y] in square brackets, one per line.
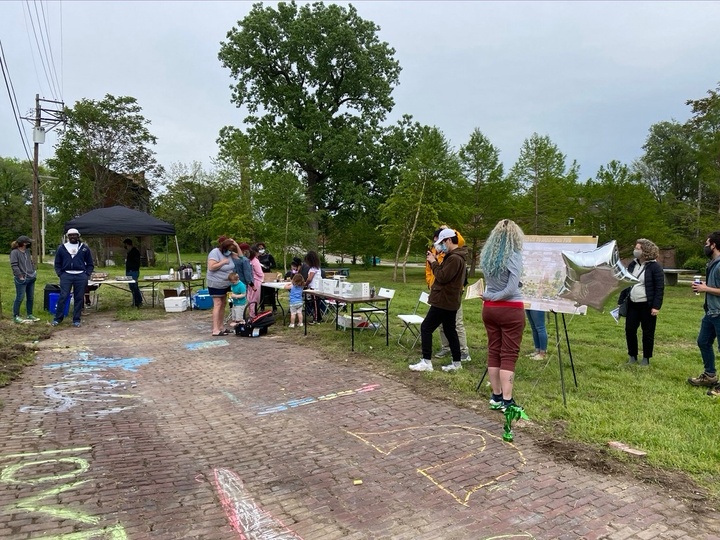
[202, 300]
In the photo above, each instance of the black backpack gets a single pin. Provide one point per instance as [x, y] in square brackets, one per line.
[255, 326]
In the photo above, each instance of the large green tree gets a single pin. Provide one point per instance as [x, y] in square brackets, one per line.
[15, 196]
[317, 84]
[550, 197]
[490, 195]
[102, 139]
[428, 192]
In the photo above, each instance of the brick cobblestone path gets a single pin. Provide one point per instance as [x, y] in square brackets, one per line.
[154, 429]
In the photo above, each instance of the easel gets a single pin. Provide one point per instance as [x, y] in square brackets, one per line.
[559, 353]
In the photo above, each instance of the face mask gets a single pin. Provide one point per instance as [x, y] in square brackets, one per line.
[262, 251]
[226, 252]
[442, 248]
[293, 271]
[637, 253]
[708, 251]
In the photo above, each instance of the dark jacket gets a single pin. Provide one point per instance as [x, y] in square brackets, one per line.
[132, 262]
[654, 282]
[267, 261]
[81, 261]
[446, 290]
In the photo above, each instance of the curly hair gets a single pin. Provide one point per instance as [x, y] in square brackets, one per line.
[504, 240]
[649, 250]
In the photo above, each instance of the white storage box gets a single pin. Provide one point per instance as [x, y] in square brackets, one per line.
[176, 304]
[355, 290]
[330, 286]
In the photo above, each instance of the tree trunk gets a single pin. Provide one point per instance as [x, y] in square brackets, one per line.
[314, 179]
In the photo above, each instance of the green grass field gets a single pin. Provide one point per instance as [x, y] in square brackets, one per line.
[652, 409]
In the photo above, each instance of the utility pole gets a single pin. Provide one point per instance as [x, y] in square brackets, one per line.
[52, 118]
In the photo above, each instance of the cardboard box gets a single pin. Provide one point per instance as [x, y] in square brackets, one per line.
[355, 290]
[176, 304]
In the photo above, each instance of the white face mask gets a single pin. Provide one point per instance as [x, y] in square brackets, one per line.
[261, 251]
[637, 253]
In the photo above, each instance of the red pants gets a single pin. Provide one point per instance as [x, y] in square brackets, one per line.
[504, 327]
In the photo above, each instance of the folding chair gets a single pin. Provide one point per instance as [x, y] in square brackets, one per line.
[413, 321]
[375, 317]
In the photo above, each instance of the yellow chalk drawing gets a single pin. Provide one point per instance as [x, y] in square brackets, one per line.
[463, 446]
[10, 475]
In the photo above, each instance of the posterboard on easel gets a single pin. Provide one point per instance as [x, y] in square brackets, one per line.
[544, 271]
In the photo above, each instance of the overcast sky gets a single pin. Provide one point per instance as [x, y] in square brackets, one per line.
[593, 76]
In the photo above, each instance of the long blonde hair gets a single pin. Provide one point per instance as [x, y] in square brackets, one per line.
[504, 240]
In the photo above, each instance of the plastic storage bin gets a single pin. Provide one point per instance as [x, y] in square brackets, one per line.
[52, 303]
[176, 304]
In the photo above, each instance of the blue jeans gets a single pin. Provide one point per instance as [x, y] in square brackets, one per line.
[78, 284]
[539, 332]
[24, 289]
[709, 330]
[135, 288]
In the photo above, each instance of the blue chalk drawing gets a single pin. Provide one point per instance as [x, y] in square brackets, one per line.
[99, 363]
[206, 345]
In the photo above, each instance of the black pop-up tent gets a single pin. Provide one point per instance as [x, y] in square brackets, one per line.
[121, 221]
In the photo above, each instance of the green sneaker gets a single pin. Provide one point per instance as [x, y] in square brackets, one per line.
[19, 319]
[496, 404]
[32, 318]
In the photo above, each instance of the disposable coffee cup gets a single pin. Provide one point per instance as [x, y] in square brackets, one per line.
[697, 279]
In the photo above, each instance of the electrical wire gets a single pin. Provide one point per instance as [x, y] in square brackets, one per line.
[13, 103]
[51, 59]
[53, 91]
[32, 56]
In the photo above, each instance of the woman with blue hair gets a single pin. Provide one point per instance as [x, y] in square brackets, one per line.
[503, 310]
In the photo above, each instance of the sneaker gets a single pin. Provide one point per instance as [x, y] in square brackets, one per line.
[632, 360]
[704, 379]
[645, 362]
[452, 367]
[496, 403]
[291, 326]
[18, 319]
[442, 353]
[76, 324]
[54, 323]
[538, 356]
[32, 318]
[714, 391]
[465, 357]
[422, 365]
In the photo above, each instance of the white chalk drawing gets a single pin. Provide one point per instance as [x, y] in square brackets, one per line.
[249, 520]
[293, 403]
[457, 449]
[87, 380]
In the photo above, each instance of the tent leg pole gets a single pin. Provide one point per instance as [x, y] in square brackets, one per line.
[177, 248]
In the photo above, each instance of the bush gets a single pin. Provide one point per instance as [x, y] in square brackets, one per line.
[696, 264]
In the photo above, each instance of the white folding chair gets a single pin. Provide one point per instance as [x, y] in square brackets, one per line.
[413, 321]
[375, 317]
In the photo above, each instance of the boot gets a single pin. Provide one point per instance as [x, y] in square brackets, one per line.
[645, 361]
[632, 360]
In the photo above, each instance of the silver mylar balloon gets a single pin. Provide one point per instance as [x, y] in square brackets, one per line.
[592, 276]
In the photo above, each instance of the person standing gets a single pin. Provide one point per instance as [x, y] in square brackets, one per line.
[444, 300]
[503, 311]
[710, 323]
[132, 269]
[220, 263]
[255, 289]
[314, 305]
[242, 264]
[459, 324]
[267, 262]
[74, 266]
[646, 298]
[24, 276]
[536, 318]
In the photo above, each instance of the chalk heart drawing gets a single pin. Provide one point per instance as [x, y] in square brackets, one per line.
[249, 520]
[89, 379]
[459, 453]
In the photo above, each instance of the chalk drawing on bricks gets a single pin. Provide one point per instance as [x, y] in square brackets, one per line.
[247, 518]
[51, 473]
[460, 465]
[90, 379]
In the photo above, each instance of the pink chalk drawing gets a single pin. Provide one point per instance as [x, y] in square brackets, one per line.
[245, 516]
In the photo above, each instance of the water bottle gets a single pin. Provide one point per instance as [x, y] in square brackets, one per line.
[372, 292]
[171, 273]
[198, 271]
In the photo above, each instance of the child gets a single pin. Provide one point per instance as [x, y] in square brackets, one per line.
[296, 287]
[237, 295]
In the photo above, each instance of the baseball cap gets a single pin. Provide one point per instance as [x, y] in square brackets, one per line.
[444, 235]
[24, 240]
[73, 231]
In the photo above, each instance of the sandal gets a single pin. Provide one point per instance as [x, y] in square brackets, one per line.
[221, 333]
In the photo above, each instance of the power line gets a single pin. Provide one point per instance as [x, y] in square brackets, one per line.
[53, 90]
[32, 56]
[13, 103]
[51, 60]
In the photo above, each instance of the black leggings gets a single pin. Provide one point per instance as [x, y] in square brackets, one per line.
[639, 316]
